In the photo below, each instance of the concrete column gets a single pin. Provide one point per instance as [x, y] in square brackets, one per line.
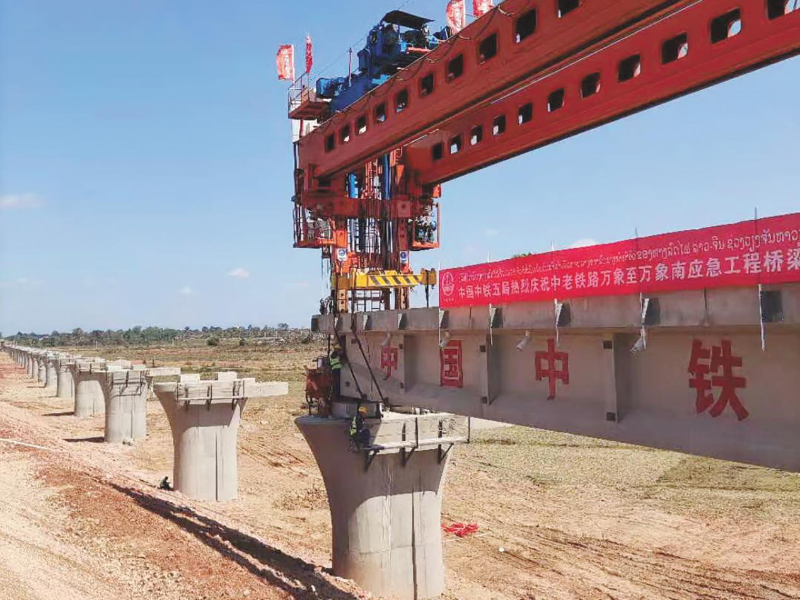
[204, 418]
[88, 377]
[125, 394]
[65, 387]
[51, 374]
[385, 515]
[42, 372]
[35, 367]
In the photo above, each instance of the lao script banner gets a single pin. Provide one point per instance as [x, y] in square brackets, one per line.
[748, 253]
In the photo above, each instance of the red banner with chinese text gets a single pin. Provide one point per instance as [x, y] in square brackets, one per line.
[284, 61]
[457, 15]
[481, 7]
[309, 53]
[761, 251]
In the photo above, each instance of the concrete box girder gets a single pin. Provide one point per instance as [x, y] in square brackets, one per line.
[606, 390]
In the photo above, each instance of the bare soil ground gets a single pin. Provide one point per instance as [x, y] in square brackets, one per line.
[560, 516]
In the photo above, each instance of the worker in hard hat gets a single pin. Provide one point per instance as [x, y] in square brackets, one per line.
[335, 361]
[359, 432]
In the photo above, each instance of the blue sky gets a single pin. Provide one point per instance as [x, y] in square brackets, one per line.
[145, 164]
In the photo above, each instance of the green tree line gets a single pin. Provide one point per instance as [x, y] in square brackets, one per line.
[143, 336]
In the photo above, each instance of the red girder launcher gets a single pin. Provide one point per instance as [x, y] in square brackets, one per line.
[375, 147]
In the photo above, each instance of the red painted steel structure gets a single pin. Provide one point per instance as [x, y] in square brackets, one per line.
[526, 74]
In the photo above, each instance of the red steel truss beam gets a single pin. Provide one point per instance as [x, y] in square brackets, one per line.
[556, 39]
[553, 107]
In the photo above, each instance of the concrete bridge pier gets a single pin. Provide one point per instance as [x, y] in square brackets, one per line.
[204, 417]
[125, 394]
[88, 377]
[386, 502]
[51, 372]
[43, 360]
[65, 386]
[32, 366]
[39, 370]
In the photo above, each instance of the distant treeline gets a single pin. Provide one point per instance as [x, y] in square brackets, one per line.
[157, 335]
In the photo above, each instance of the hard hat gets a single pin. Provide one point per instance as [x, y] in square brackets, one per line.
[362, 410]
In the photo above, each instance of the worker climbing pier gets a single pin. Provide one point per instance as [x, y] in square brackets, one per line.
[386, 498]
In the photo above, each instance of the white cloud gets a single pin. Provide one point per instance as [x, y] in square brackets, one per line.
[239, 273]
[19, 201]
[583, 243]
[186, 291]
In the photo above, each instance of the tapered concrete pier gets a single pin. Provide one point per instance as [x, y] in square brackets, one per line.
[204, 418]
[33, 366]
[89, 376]
[41, 368]
[65, 386]
[51, 372]
[386, 501]
[125, 393]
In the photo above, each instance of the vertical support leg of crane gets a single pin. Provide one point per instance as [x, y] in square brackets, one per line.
[386, 519]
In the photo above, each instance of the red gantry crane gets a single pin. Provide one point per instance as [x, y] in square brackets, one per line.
[375, 147]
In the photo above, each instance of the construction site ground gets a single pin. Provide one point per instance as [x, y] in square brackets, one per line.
[559, 516]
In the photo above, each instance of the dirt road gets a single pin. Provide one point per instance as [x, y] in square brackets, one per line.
[559, 516]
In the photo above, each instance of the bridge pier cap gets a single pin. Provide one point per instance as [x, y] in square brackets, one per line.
[88, 375]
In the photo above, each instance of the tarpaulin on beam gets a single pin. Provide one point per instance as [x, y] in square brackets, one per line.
[760, 251]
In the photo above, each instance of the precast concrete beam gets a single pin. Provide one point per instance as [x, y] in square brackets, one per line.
[189, 378]
[204, 418]
[386, 502]
[705, 372]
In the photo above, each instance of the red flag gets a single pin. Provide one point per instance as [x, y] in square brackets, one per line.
[285, 62]
[309, 54]
[457, 15]
[481, 7]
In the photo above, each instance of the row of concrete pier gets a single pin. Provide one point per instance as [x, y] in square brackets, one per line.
[385, 498]
[204, 415]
